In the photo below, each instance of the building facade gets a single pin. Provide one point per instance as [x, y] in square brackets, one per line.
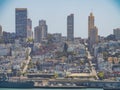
[21, 22]
[90, 23]
[44, 29]
[117, 33]
[29, 28]
[8, 37]
[1, 33]
[70, 27]
[93, 36]
[57, 37]
[37, 34]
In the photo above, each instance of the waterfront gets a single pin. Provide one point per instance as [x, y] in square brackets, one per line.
[50, 89]
[54, 61]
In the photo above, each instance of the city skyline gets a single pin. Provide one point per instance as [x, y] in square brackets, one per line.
[63, 44]
[106, 17]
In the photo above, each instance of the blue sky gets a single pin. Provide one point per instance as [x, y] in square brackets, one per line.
[106, 12]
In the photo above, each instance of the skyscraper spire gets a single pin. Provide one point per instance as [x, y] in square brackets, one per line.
[91, 14]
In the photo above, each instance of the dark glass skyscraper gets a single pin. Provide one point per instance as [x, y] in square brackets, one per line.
[21, 22]
[70, 27]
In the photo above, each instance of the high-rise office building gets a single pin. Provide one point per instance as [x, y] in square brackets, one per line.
[1, 33]
[93, 36]
[37, 34]
[117, 33]
[29, 28]
[40, 32]
[92, 32]
[44, 27]
[70, 27]
[90, 23]
[21, 22]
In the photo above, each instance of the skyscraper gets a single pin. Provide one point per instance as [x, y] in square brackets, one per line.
[29, 28]
[37, 34]
[41, 31]
[117, 33]
[70, 27]
[21, 22]
[93, 39]
[1, 30]
[93, 36]
[92, 32]
[44, 27]
[90, 23]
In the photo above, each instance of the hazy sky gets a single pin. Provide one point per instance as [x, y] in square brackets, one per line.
[55, 12]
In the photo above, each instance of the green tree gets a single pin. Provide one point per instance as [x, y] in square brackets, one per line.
[55, 75]
[105, 55]
[65, 49]
[29, 40]
[101, 75]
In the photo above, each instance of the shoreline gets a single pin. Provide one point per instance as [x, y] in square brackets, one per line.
[62, 87]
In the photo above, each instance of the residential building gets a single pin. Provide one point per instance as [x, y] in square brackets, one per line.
[57, 37]
[8, 37]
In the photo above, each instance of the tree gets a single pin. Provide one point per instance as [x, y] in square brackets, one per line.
[29, 40]
[55, 75]
[101, 75]
[65, 48]
[105, 55]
